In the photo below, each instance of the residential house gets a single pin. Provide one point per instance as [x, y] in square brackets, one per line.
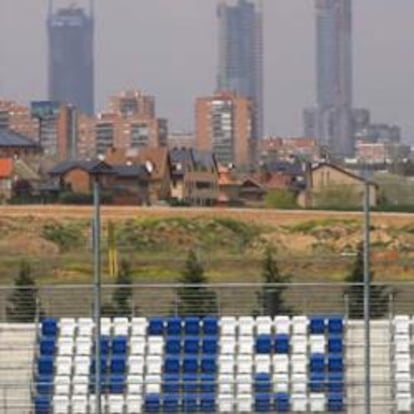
[126, 183]
[16, 179]
[157, 161]
[15, 145]
[328, 185]
[229, 187]
[194, 177]
[252, 192]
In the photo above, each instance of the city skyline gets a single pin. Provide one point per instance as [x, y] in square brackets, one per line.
[380, 84]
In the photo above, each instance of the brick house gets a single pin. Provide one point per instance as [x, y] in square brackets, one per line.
[127, 184]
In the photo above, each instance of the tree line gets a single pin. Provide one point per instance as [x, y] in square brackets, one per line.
[195, 298]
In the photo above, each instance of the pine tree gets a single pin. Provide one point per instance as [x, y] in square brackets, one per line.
[195, 300]
[121, 298]
[22, 303]
[120, 303]
[270, 298]
[355, 291]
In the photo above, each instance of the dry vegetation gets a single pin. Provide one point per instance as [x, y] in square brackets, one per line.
[310, 245]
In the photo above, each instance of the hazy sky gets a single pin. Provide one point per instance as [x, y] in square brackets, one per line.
[168, 49]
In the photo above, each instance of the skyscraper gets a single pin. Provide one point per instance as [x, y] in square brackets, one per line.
[240, 61]
[334, 75]
[71, 56]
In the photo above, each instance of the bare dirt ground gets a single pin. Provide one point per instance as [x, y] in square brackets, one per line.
[259, 216]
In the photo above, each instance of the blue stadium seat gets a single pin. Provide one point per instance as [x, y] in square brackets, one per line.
[335, 363]
[335, 382]
[189, 383]
[210, 345]
[263, 344]
[104, 365]
[335, 345]
[262, 403]
[210, 325]
[118, 364]
[282, 344]
[317, 325]
[49, 327]
[262, 383]
[207, 403]
[208, 365]
[335, 325]
[172, 364]
[42, 405]
[173, 345]
[152, 403]
[44, 385]
[208, 383]
[189, 403]
[192, 325]
[282, 402]
[45, 365]
[335, 402]
[317, 363]
[116, 383]
[174, 326]
[104, 344]
[317, 382]
[170, 403]
[190, 365]
[171, 384]
[119, 345]
[191, 344]
[156, 326]
[47, 346]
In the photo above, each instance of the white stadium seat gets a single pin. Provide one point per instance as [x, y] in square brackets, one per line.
[299, 403]
[63, 365]
[62, 384]
[134, 384]
[106, 326]
[115, 404]
[80, 384]
[299, 344]
[137, 346]
[401, 324]
[228, 325]
[244, 364]
[155, 345]
[282, 324]
[281, 382]
[317, 402]
[138, 327]
[60, 404]
[65, 345]
[154, 364]
[317, 344]
[81, 365]
[83, 345]
[246, 345]
[299, 363]
[85, 326]
[299, 383]
[243, 384]
[246, 326]
[280, 364]
[402, 343]
[226, 364]
[299, 325]
[152, 384]
[136, 364]
[79, 404]
[133, 404]
[67, 327]
[226, 383]
[244, 403]
[228, 345]
[121, 326]
[403, 382]
[225, 403]
[262, 363]
[264, 325]
[404, 402]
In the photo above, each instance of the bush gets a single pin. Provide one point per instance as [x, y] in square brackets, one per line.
[283, 199]
[66, 236]
[83, 198]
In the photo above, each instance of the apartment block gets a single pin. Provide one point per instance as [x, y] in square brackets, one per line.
[224, 127]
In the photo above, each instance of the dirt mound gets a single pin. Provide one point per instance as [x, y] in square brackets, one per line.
[30, 245]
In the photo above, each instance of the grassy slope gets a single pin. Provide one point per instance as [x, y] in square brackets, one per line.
[230, 242]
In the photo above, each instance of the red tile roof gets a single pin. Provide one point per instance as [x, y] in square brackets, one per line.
[6, 167]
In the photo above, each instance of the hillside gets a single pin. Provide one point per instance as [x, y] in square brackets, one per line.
[310, 245]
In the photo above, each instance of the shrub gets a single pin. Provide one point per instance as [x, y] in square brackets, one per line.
[280, 198]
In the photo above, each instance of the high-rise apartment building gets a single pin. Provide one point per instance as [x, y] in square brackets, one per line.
[224, 126]
[18, 118]
[240, 60]
[71, 56]
[334, 76]
[130, 122]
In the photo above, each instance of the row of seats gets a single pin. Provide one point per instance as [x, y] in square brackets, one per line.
[190, 403]
[195, 326]
[401, 362]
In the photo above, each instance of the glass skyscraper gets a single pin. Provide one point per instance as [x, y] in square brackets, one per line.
[334, 75]
[71, 57]
[240, 62]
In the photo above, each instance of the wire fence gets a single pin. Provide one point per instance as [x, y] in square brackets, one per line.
[229, 299]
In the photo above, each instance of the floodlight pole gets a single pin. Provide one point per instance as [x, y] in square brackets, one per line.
[97, 289]
[367, 297]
